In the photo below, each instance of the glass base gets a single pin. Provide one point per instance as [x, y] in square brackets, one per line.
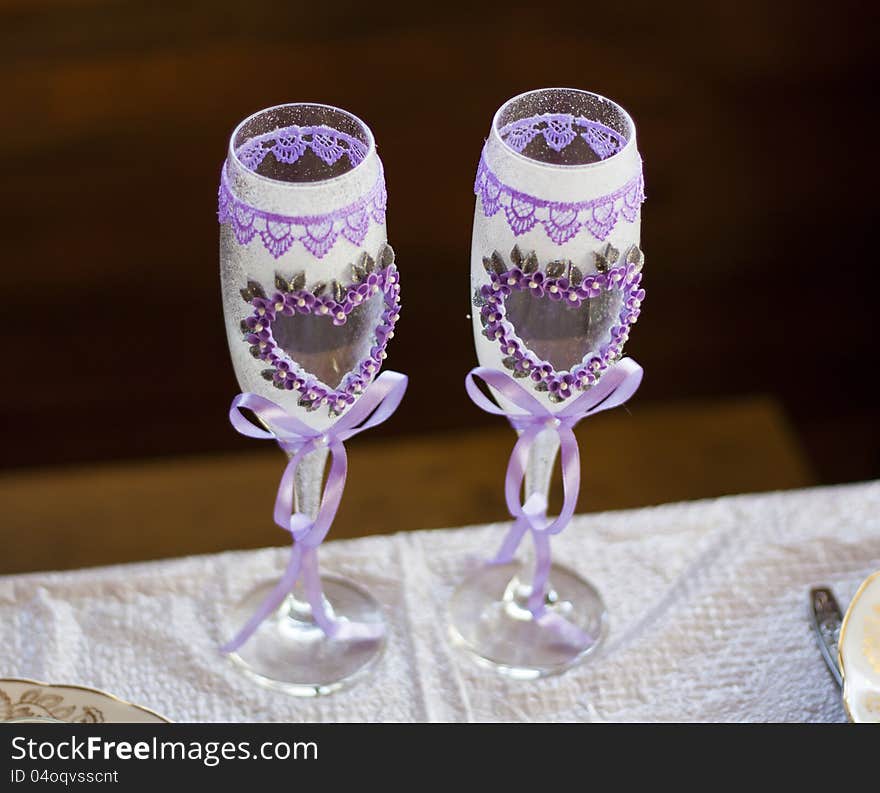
[290, 653]
[490, 621]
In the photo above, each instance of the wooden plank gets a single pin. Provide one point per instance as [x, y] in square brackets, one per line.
[105, 514]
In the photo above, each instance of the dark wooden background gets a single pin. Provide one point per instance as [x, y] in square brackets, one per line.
[756, 122]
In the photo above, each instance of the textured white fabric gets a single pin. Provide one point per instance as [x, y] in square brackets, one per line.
[708, 604]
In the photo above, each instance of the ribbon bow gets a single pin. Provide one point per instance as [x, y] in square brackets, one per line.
[296, 438]
[615, 387]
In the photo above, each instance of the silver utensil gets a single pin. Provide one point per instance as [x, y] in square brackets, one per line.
[827, 618]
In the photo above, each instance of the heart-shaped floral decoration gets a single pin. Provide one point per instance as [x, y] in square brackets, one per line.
[546, 342]
[285, 324]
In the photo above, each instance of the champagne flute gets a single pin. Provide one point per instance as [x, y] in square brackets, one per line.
[310, 299]
[555, 283]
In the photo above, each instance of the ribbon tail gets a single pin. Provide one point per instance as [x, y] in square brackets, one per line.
[341, 630]
[570, 462]
[567, 632]
[510, 543]
[273, 600]
[542, 573]
[315, 593]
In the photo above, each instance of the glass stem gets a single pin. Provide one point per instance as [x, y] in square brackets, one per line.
[307, 490]
[539, 474]
[308, 482]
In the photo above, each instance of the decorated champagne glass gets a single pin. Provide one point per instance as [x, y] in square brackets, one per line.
[555, 286]
[311, 298]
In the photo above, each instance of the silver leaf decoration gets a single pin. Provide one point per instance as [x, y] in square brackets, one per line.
[635, 256]
[516, 256]
[606, 258]
[498, 264]
[386, 256]
[557, 268]
[252, 290]
[531, 263]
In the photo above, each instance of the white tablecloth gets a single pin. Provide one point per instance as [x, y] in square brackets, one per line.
[708, 604]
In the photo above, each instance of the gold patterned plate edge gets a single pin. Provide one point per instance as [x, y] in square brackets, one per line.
[841, 662]
[25, 699]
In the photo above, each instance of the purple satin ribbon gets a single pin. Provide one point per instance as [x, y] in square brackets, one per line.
[297, 439]
[616, 386]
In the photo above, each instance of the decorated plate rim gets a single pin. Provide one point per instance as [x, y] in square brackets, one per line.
[840, 637]
[88, 689]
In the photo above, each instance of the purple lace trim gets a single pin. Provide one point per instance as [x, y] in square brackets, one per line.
[561, 129]
[335, 302]
[290, 143]
[317, 233]
[559, 281]
[561, 221]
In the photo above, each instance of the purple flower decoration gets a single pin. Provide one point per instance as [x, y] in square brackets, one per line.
[383, 334]
[513, 278]
[610, 352]
[256, 329]
[490, 314]
[633, 275]
[584, 377]
[595, 365]
[635, 299]
[541, 371]
[355, 297]
[509, 347]
[556, 288]
[355, 384]
[561, 386]
[302, 302]
[572, 297]
[340, 402]
[284, 376]
[499, 285]
[278, 301]
[264, 307]
[615, 277]
[378, 354]
[591, 286]
[536, 283]
[619, 335]
[524, 362]
[496, 332]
